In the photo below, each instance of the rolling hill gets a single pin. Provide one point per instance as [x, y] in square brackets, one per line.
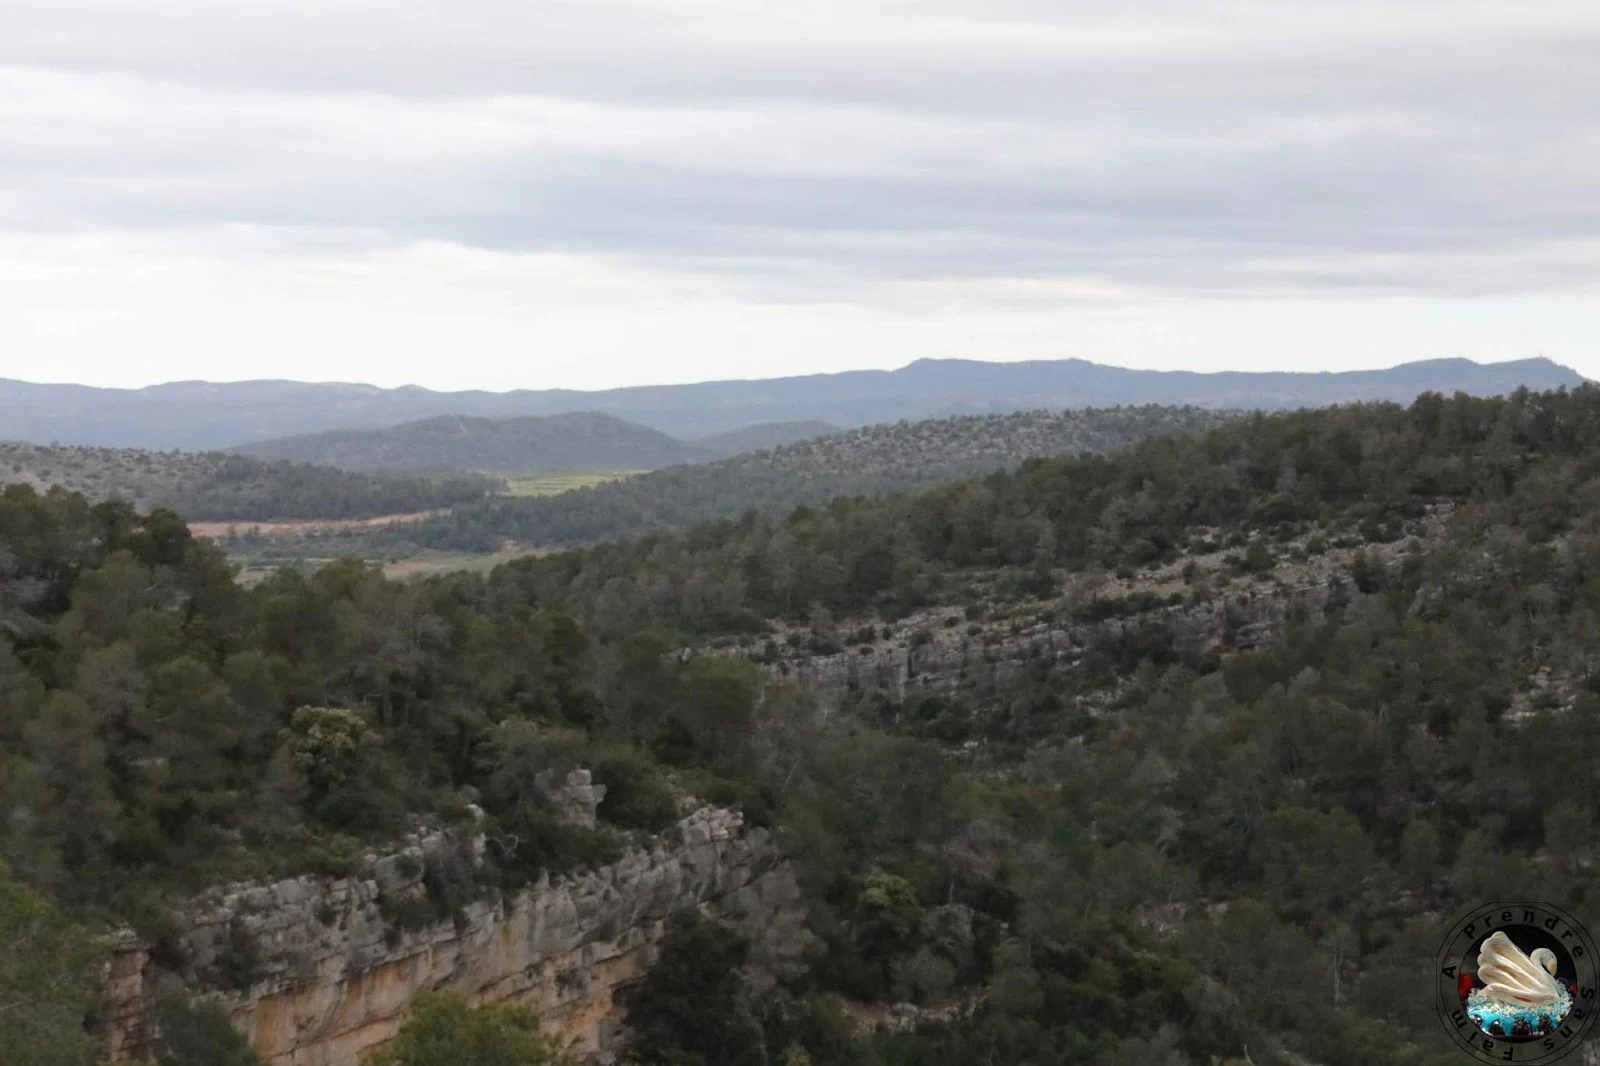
[212, 486]
[764, 436]
[894, 457]
[577, 442]
[205, 415]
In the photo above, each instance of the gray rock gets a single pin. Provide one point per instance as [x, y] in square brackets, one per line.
[325, 992]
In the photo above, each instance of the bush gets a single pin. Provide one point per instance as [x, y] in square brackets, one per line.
[344, 775]
[200, 1034]
[540, 842]
[637, 795]
[238, 964]
[445, 1031]
[692, 1006]
[48, 981]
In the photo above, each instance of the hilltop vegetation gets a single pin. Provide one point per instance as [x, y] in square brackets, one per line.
[212, 486]
[567, 443]
[1178, 846]
[763, 437]
[1371, 467]
[888, 458]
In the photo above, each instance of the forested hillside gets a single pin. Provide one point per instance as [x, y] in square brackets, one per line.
[583, 441]
[1275, 699]
[763, 436]
[893, 457]
[207, 486]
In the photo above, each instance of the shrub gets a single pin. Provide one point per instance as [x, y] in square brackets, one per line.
[445, 1031]
[200, 1034]
[637, 795]
[692, 1006]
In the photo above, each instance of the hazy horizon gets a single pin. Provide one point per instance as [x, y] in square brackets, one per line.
[697, 381]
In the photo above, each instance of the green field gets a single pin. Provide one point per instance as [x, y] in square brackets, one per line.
[255, 569]
[552, 484]
[259, 557]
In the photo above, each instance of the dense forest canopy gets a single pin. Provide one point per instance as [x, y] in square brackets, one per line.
[1370, 468]
[212, 486]
[1178, 851]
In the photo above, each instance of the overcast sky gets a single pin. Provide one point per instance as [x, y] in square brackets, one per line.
[527, 193]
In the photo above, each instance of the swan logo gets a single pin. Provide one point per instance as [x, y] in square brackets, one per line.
[1518, 982]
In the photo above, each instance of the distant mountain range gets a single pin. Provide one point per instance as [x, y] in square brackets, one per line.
[201, 415]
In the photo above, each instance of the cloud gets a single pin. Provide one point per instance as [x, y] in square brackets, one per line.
[1006, 153]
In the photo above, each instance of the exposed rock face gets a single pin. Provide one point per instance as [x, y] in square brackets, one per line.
[330, 978]
[940, 651]
[979, 660]
[576, 798]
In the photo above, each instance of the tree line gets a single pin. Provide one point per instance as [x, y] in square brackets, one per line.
[216, 486]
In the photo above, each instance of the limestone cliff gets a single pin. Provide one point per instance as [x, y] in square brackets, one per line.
[330, 977]
[940, 650]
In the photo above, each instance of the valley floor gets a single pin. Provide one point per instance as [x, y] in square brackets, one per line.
[234, 528]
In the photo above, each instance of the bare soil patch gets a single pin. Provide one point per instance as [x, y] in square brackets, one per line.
[227, 529]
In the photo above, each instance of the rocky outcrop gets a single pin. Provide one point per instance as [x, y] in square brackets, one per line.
[576, 798]
[324, 973]
[943, 651]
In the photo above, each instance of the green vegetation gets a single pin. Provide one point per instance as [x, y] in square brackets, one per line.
[445, 1031]
[254, 569]
[49, 980]
[199, 1034]
[870, 461]
[163, 727]
[1188, 840]
[764, 436]
[1365, 471]
[212, 486]
[579, 442]
[693, 1008]
[554, 484]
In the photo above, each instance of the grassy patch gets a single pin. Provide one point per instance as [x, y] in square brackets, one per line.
[426, 563]
[256, 568]
[554, 484]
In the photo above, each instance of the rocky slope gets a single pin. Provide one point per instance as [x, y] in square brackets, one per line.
[1202, 602]
[321, 972]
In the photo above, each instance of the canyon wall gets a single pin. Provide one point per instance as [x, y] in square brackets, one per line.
[322, 974]
[939, 651]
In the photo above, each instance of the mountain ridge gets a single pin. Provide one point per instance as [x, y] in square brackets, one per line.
[222, 486]
[764, 436]
[206, 415]
[579, 441]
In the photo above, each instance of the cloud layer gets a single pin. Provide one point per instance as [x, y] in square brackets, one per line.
[894, 158]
